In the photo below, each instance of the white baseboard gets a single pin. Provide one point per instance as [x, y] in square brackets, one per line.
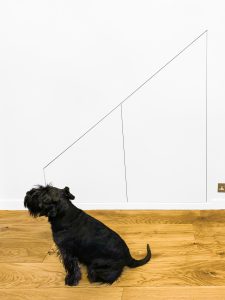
[17, 204]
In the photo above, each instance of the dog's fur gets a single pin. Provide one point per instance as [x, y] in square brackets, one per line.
[80, 237]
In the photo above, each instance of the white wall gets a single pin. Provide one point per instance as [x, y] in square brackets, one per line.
[64, 64]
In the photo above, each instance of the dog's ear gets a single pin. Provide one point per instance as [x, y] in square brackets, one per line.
[68, 194]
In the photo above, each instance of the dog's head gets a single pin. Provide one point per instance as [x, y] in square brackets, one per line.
[47, 200]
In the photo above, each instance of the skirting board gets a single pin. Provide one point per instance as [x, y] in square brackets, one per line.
[17, 204]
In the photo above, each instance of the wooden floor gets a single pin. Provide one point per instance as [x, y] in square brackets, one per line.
[188, 260]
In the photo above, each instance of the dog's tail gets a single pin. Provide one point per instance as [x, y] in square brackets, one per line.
[133, 263]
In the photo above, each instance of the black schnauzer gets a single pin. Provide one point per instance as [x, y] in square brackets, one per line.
[80, 237]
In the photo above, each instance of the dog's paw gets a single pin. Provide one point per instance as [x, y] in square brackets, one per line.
[72, 279]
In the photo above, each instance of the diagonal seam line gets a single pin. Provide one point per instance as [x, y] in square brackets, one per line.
[138, 88]
[124, 151]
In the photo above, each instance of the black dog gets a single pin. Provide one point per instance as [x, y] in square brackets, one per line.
[80, 237]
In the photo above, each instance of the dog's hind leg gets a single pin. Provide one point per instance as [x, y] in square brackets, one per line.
[72, 268]
[104, 270]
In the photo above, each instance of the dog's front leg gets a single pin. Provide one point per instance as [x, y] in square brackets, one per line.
[72, 268]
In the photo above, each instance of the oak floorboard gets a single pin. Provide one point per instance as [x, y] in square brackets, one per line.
[45, 275]
[20, 217]
[21, 231]
[133, 217]
[20, 250]
[161, 251]
[62, 294]
[174, 293]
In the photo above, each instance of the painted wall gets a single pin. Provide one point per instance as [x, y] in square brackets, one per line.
[65, 64]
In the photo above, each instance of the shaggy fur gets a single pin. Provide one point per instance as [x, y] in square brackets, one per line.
[80, 237]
